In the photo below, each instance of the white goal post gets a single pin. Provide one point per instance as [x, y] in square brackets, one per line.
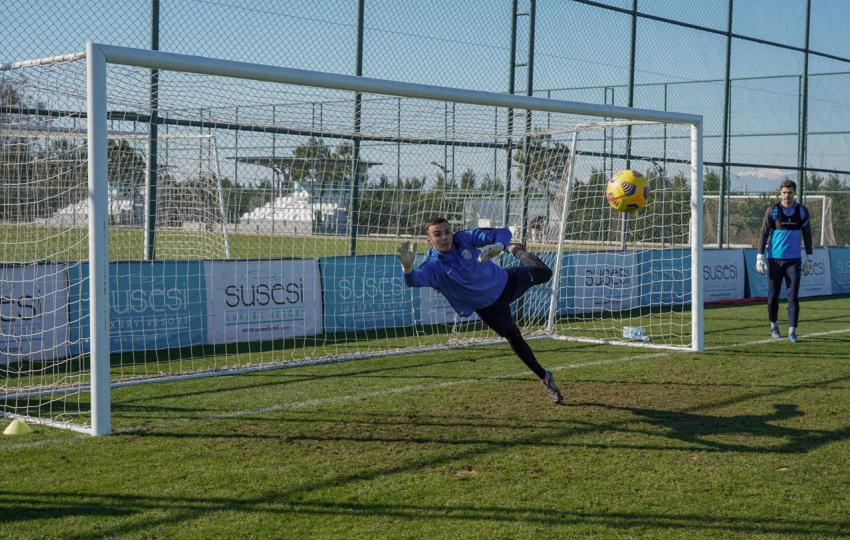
[359, 165]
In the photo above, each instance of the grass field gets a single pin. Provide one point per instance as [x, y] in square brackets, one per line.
[750, 438]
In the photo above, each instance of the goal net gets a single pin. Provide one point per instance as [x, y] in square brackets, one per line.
[280, 198]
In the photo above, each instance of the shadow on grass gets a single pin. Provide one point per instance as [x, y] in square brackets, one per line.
[139, 512]
[700, 430]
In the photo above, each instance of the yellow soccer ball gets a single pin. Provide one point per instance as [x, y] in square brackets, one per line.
[627, 191]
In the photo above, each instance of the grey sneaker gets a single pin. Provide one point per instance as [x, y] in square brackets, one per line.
[551, 388]
[774, 333]
[792, 337]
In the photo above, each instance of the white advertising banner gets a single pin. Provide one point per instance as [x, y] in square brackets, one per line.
[819, 282]
[606, 281]
[33, 312]
[722, 274]
[259, 300]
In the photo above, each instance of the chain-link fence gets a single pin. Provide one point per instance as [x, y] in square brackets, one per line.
[769, 78]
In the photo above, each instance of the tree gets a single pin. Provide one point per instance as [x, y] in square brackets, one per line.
[491, 185]
[546, 164]
[711, 183]
[322, 166]
[468, 179]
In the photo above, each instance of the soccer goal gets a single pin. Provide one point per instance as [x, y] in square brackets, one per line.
[263, 233]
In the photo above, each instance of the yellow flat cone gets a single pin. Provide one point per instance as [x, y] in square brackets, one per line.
[18, 427]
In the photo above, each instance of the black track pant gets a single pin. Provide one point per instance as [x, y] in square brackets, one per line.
[777, 271]
[498, 315]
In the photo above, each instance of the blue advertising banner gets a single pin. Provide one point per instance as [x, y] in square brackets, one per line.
[33, 314]
[607, 280]
[839, 261]
[668, 277]
[153, 305]
[366, 292]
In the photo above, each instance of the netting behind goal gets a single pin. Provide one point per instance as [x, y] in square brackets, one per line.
[278, 210]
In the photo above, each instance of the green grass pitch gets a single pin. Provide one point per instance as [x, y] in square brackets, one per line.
[749, 439]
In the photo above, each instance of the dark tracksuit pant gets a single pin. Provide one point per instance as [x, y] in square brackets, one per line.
[498, 315]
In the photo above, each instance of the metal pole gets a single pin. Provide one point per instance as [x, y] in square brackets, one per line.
[354, 199]
[804, 112]
[152, 165]
[506, 200]
[98, 241]
[529, 90]
[553, 305]
[661, 177]
[397, 177]
[724, 138]
[697, 334]
[631, 103]
[221, 199]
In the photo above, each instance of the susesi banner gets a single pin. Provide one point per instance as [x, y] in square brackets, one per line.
[33, 315]
[818, 283]
[668, 277]
[365, 293]
[840, 263]
[153, 305]
[606, 280]
[722, 274]
[273, 299]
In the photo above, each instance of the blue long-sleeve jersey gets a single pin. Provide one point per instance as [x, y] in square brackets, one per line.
[466, 283]
[782, 230]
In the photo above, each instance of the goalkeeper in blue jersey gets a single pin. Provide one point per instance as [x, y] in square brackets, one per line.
[472, 282]
[784, 224]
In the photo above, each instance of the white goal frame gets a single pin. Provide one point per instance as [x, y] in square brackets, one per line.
[97, 57]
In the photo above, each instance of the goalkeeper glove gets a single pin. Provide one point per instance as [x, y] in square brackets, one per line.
[761, 266]
[807, 267]
[406, 256]
[491, 251]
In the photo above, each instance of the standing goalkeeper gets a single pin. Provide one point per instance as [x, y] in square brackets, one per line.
[470, 281]
[784, 223]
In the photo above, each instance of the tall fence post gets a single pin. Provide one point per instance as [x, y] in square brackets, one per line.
[356, 174]
[624, 232]
[804, 113]
[152, 165]
[724, 137]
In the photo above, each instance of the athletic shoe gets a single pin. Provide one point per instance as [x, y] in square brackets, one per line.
[513, 247]
[551, 388]
[793, 338]
[774, 333]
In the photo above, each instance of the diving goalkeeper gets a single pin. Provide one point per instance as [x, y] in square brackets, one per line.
[470, 281]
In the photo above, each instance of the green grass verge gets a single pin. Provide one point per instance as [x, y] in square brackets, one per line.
[750, 439]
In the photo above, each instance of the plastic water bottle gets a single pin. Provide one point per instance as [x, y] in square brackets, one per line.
[635, 332]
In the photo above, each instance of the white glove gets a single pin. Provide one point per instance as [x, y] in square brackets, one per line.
[807, 266]
[761, 266]
[491, 251]
[406, 256]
